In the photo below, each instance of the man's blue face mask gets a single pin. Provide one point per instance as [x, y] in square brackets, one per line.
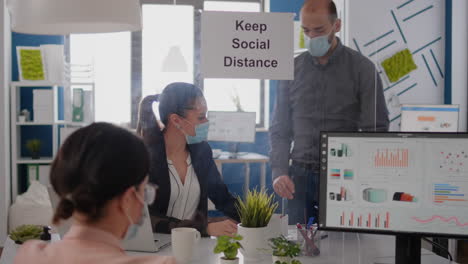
[318, 46]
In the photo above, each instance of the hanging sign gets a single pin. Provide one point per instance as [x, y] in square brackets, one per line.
[247, 45]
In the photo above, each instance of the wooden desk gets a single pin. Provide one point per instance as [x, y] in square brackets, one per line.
[246, 158]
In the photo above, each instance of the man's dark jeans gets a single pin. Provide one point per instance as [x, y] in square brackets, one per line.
[305, 202]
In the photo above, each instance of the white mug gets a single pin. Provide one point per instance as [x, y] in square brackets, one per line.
[183, 243]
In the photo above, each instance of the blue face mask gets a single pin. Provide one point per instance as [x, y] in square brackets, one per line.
[133, 228]
[201, 134]
[318, 46]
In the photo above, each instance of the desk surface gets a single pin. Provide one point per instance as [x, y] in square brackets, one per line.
[346, 248]
[336, 249]
[241, 158]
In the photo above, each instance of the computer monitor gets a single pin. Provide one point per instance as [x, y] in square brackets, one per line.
[411, 185]
[429, 118]
[235, 127]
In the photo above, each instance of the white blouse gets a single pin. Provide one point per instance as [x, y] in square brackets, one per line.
[184, 197]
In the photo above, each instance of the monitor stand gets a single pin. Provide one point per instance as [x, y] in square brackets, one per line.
[234, 149]
[408, 249]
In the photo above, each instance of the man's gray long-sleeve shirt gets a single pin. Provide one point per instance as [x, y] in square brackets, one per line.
[344, 95]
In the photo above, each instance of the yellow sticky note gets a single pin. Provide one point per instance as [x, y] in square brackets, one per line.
[399, 65]
[31, 64]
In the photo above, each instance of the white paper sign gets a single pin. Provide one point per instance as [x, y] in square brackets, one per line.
[247, 45]
[231, 126]
[429, 118]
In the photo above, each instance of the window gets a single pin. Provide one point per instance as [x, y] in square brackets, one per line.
[225, 94]
[231, 6]
[110, 56]
[167, 39]
[232, 94]
[129, 66]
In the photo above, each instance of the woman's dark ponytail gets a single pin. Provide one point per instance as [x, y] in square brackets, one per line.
[148, 127]
[64, 211]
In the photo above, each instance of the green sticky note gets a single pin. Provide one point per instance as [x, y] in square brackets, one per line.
[399, 65]
[31, 64]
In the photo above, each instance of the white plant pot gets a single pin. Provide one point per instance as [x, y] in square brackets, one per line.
[222, 260]
[254, 242]
[281, 259]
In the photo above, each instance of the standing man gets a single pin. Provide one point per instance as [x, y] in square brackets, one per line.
[334, 89]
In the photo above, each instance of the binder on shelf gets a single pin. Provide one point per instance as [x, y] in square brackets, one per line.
[67, 102]
[54, 63]
[33, 173]
[42, 97]
[78, 98]
[88, 109]
[43, 105]
[43, 174]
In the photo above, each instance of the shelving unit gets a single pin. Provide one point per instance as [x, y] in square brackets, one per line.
[48, 130]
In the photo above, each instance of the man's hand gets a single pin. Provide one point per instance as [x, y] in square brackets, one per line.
[284, 187]
[222, 228]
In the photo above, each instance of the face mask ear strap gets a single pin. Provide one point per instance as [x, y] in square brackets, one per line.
[185, 120]
[128, 216]
[138, 197]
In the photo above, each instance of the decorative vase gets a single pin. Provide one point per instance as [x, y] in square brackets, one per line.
[222, 260]
[281, 259]
[254, 242]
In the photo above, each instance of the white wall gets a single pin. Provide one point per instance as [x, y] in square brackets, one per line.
[460, 59]
[391, 27]
[5, 54]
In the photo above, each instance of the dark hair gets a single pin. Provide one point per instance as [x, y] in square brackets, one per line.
[333, 14]
[94, 165]
[332, 11]
[176, 98]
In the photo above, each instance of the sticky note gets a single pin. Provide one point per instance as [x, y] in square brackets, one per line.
[399, 65]
[31, 64]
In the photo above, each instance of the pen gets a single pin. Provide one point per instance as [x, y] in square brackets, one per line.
[311, 248]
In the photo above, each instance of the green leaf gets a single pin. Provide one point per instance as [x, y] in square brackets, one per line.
[228, 245]
[283, 247]
[257, 208]
[26, 232]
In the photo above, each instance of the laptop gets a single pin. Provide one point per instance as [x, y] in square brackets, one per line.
[145, 240]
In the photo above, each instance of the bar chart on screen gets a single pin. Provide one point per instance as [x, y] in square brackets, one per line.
[387, 160]
[340, 150]
[450, 194]
[359, 219]
[390, 158]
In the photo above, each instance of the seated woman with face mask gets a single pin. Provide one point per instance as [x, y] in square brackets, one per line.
[182, 163]
[101, 176]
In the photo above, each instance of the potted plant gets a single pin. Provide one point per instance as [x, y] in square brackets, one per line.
[25, 232]
[284, 251]
[255, 213]
[229, 246]
[34, 146]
